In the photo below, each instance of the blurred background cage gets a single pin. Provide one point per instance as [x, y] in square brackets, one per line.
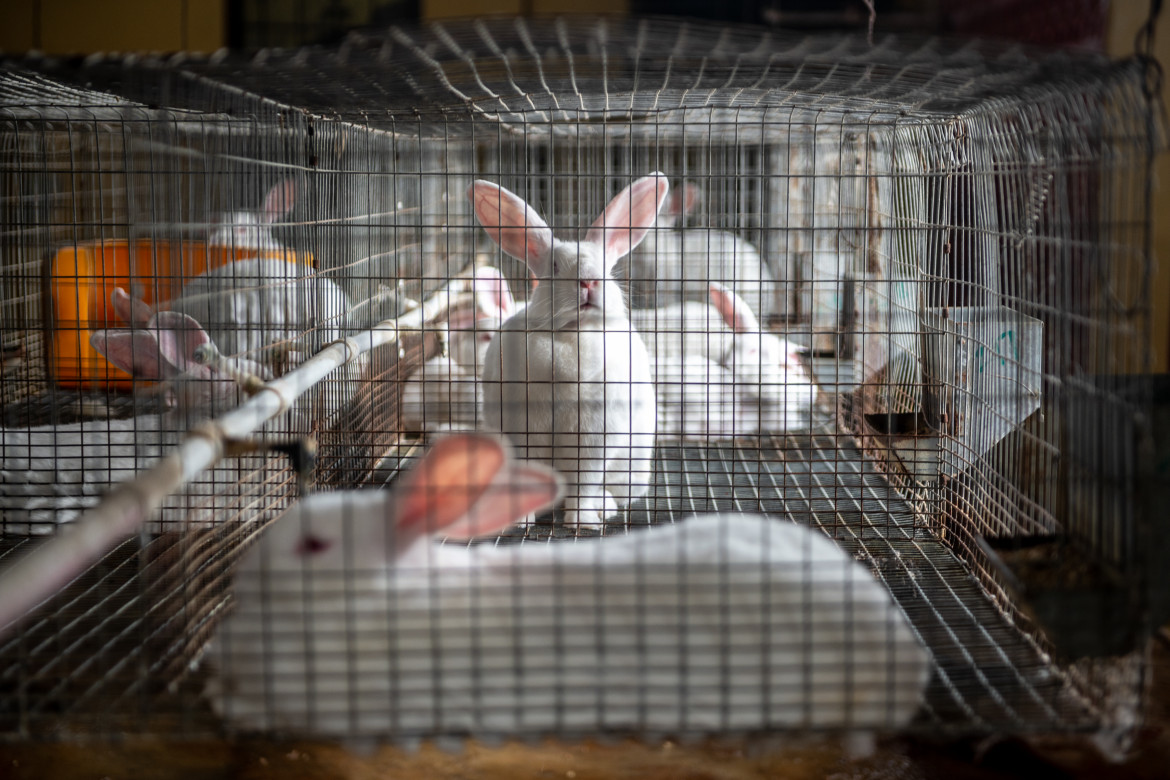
[958, 237]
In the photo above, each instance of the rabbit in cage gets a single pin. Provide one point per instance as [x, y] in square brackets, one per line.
[50, 474]
[246, 229]
[470, 334]
[265, 307]
[352, 619]
[757, 381]
[567, 379]
[446, 392]
[698, 397]
[675, 263]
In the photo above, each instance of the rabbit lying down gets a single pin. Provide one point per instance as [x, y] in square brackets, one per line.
[50, 474]
[353, 620]
[717, 372]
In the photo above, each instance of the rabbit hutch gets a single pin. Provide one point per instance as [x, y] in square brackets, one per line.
[950, 243]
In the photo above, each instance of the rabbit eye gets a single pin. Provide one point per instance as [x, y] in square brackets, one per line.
[311, 545]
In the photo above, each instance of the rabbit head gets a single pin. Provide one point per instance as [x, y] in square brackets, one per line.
[682, 201]
[757, 359]
[253, 229]
[575, 282]
[466, 485]
[162, 346]
[471, 330]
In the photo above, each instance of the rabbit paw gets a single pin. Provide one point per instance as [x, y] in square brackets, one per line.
[590, 511]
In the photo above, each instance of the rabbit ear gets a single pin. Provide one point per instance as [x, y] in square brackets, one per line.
[690, 197]
[519, 489]
[444, 485]
[492, 295]
[134, 351]
[682, 201]
[179, 335]
[462, 319]
[735, 312]
[279, 201]
[628, 217]
[130, 310]
[512, 224]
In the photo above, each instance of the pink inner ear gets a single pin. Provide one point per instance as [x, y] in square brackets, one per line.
[512, 224]
[179, 335]
[443, 486]
[519, 490]
[134, 351]
[280, 200]
[628, 217]
[733, 309]
[130, 310]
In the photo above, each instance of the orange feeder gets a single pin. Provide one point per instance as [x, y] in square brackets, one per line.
[82, 276]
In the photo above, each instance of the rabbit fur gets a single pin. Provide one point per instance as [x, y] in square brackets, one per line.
[772, 389]
[251, 306]
[253, 229]
[445, 393]
[675, 263]
[50, 474]
[567, 379]
[352, 620]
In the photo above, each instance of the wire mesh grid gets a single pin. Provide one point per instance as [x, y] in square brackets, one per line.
[909, 204]
[112, 653]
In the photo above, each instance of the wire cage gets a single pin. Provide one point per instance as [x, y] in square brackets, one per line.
[948, 245]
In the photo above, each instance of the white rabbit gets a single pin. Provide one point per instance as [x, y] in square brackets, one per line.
[775, 392]
[250, 307]
[253, 229]
[698, 397]
[568, 379]
[50, 474]
[446, 393]
[768, 373]
[352, 621]
[675, 265]
[442, 396]
[163, 347]
[469, 334]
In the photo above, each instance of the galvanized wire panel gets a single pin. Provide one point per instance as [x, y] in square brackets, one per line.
[531, 71]
[948, 242]
[985, 675]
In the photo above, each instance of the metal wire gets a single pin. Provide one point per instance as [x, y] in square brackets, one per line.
[950, 238]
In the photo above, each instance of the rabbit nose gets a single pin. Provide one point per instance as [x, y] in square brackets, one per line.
[590, 290]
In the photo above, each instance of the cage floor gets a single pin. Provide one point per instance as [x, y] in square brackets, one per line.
[988, 676]
[115, 651]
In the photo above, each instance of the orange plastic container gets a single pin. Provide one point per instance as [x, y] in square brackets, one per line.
[82, 276]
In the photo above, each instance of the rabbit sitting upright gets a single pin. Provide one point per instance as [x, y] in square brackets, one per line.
[353, 620]
[567, 379]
